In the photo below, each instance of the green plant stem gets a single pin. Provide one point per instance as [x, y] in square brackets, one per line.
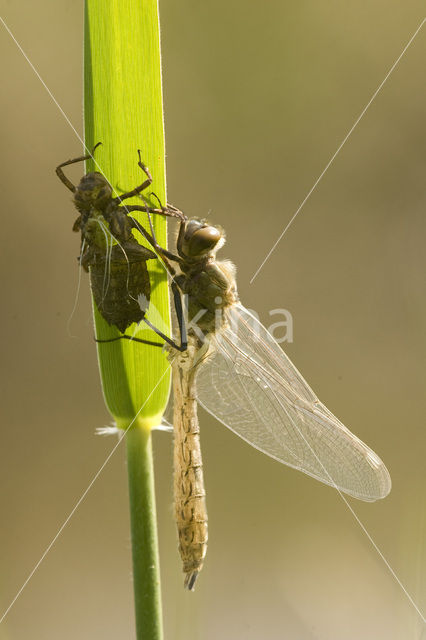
[124, 111]
[146, 570]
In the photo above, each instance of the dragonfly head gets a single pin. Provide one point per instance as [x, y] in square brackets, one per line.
[93, 191]
[200, 239]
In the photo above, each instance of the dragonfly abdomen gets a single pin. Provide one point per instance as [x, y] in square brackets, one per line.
[190, 503]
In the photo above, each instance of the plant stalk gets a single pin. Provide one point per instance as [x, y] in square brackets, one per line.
[123, 109]
[146, 569]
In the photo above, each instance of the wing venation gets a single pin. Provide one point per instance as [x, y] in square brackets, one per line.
[251, 386]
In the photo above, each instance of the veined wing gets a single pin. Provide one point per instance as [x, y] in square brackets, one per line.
[248, 383]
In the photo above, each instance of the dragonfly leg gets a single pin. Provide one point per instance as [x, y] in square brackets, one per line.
[182, 329]
[177, 295]
[164, 253]
[149, 342]
[168, 210]
[179, 347]
[177, 299]
[62, 177]
[137, 190]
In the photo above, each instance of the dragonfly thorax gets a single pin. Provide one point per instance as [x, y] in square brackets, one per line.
[208, 284]
[209, 290]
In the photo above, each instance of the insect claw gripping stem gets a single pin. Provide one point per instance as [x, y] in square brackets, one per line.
[137, 190]
[62, 177]
[163, 209]
[169, 209]
[175, 289]
[143, 166]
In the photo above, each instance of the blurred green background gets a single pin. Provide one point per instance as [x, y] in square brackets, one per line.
[257, 99]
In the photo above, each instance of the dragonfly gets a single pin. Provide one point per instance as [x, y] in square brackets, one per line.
[233, 367]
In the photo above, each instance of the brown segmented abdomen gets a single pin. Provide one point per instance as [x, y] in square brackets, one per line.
[190, 501]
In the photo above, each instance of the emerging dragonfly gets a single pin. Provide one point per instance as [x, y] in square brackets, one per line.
[236, 370]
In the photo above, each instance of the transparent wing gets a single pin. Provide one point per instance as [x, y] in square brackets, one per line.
[248, 383]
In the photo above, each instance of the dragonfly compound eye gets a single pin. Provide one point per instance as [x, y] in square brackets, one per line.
[202, 241]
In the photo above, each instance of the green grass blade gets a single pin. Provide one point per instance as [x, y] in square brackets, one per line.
[123, 109]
